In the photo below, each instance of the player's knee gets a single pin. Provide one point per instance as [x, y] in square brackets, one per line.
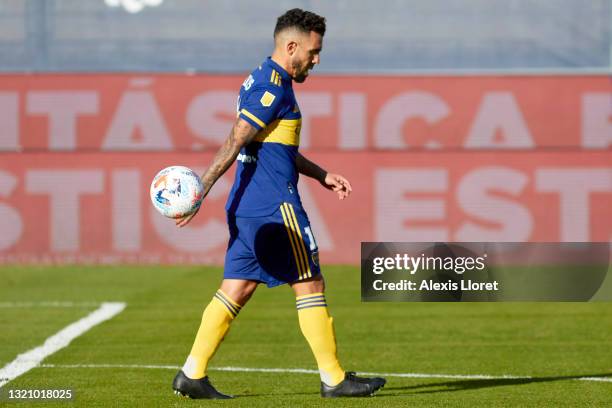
[239, 291]
[312, 285]
[318, 285]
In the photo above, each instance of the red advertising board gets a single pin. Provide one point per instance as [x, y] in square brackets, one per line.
[94, 207]
[430, 159]
[169, 112]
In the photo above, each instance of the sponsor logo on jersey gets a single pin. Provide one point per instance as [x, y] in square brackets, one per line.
[246, 158]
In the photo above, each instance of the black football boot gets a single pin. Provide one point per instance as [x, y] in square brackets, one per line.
[196, 389]
[353, 386]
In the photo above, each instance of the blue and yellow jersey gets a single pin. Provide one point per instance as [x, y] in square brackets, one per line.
[266, 175]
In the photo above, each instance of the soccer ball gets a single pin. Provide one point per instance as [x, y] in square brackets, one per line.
[176, 191]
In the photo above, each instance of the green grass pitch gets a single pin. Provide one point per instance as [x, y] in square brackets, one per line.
[553, 343]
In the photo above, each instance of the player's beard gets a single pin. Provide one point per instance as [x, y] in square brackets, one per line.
[302, 73]
[300, 78]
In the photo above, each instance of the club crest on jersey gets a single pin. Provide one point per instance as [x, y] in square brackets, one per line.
[315, 258]
[267, 99]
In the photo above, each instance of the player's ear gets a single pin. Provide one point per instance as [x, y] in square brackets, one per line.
[291, 47]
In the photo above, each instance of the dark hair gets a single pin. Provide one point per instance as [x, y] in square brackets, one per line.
[304, 21]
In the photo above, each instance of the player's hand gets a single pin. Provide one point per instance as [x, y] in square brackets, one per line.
[181, 222]
[339, 184]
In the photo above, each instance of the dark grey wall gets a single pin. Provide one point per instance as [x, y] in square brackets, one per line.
[378, 36]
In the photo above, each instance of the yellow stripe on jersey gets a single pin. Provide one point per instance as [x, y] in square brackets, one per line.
[283, 131]
[275, 78]
[253, 117]
[301, 246]
[292, 238]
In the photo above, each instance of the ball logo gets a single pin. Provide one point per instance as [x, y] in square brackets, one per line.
[176, 191]
[166, 188]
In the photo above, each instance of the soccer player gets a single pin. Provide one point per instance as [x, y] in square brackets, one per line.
[270, 237]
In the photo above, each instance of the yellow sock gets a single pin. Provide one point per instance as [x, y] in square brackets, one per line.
[216, 320]
[317, 326]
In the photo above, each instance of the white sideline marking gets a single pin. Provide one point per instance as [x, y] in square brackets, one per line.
[32, 358]
[4, 305]
[602, 379]
[308, 371]
[146, 366]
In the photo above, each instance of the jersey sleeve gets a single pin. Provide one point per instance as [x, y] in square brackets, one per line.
[261, 105]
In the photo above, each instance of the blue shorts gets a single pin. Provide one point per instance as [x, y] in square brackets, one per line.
[274, 250]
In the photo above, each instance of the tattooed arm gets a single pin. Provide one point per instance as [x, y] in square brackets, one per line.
[241, 134]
